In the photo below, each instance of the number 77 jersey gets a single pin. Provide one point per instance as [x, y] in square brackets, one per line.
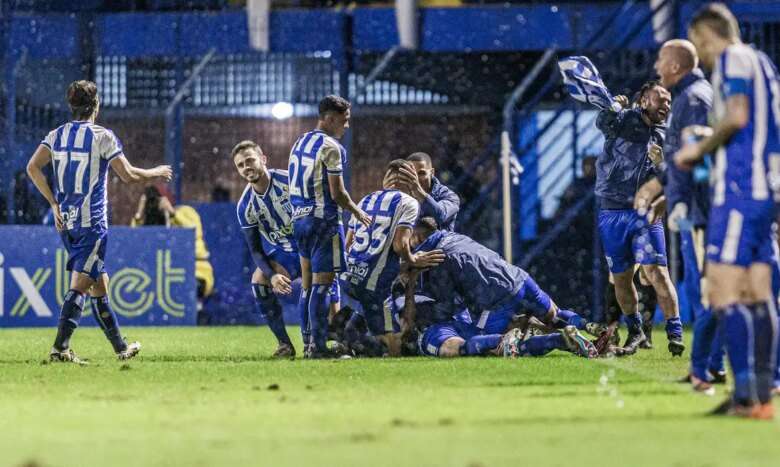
[371, 261]
[314, 156]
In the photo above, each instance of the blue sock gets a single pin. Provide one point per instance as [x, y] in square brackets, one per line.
[765, 349]
[481, 345]
[738, 324]
[303, 312]
[106, 319]
[536, 346]
[674, 329]
[70, 314]
[318, 316]
[634, 323]
[705, 331]
[717, 352]
[565, 318]
[270, 309]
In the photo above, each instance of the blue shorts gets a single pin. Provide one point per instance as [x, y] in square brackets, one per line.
[740, 233]
[289, 261]
[628, 239]
[530, 300]
[429, 343]
[376, 309]
[321, 242]
[86, 251]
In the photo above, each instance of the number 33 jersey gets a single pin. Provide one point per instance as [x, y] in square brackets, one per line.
[371, 262]
[81, 152]
[313, 157]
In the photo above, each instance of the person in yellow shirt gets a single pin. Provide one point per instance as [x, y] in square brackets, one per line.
[156, 209]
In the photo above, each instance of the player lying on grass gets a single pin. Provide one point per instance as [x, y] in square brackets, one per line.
[265, 215]
[81, 152]
[374, 254]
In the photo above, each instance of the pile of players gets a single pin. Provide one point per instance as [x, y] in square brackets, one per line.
[409, 283]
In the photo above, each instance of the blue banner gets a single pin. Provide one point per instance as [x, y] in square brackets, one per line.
[151, 269]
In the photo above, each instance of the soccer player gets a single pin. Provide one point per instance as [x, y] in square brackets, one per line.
[688, 199]
[492, 290]
[632, 148]
[81, 152]
[746, 142]
[318, 195]
[374, 253]
[265, 216]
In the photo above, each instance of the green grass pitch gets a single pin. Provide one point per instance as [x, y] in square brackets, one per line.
[211, 397]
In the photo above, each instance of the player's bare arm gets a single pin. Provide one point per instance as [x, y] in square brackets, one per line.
[736, 118]
[40, 159]
[131, 174]
[339, 194]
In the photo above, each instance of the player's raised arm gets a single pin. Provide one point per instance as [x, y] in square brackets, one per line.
[38, 161]
[131, 174]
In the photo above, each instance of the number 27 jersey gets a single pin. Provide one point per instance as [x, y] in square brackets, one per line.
[372, 264]
[313, 157]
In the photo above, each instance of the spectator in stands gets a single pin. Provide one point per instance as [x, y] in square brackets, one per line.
[156, 209]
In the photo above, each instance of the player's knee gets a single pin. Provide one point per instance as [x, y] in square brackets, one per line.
[451, 347]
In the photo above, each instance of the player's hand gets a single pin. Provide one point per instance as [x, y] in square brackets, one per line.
[687, 157]
[163, 171]
[644, 196]
[281, 284]
[679, 212]
[59, 222]
[428, 259]
[408, 176]
[622, 100]
[390, 180]
[656, 154]
[362, 217]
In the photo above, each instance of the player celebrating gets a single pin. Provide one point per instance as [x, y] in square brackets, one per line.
[375, 251]
[264, 213]
[318, 195]
[81, 152]
[492, 290]
[746, 144]
[633, 145]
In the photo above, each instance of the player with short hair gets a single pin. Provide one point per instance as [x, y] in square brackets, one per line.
[265, 216]
[746, 142]
[492, 290]
[318, 195]
[632, 149]
[375, 252]
[82, 152]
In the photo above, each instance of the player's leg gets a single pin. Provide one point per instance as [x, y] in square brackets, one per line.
[303, 302]
[326, 260]
[107, 320]
[267, 304]
[616, 228]
[542, 306]
[765, 333]
[648, 301]
[649, 250]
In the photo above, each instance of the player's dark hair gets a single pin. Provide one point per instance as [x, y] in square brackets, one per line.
[243, 146]
[652, 84]
[427, 225]
[82, 99]
[395, 165]
[719, 19]
[153, 215]
[333, 103]
[420, 157]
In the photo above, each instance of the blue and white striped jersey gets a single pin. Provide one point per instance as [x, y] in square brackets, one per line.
[371, 262]
[313, 157]
[270, 213]
[742, 166]
[81, 152]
